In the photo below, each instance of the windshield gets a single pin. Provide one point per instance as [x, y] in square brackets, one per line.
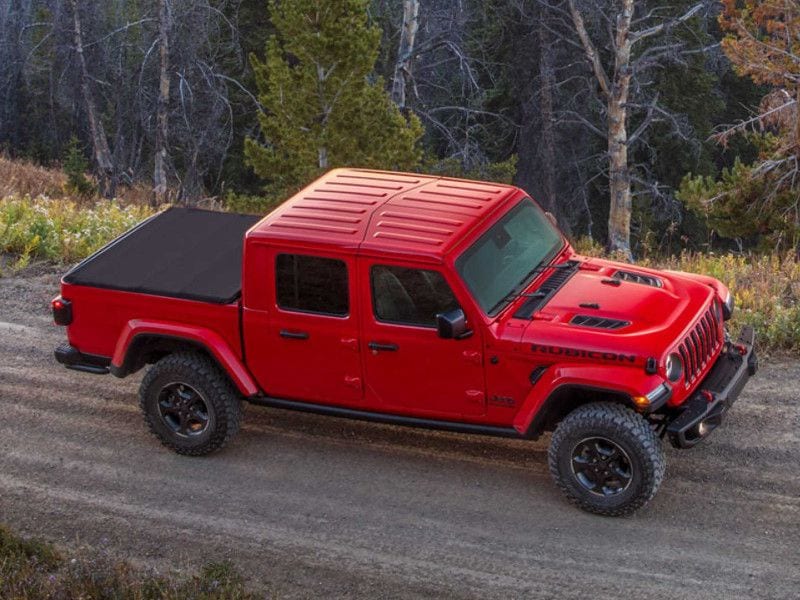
[505, 259]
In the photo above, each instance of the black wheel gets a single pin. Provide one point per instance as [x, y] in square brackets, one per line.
[189, 404]
[607, 459]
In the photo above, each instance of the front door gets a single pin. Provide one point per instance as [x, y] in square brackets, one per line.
[408, 368]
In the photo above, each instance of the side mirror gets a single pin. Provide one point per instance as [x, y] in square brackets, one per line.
[452, 325]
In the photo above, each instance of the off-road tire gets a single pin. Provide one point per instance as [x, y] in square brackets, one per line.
[626, 429]
[224, 404]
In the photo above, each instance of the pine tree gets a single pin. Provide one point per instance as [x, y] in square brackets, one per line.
[760, 200]
[322, 107]
[75, 166]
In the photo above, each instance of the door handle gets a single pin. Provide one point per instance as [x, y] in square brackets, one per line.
[377, 347]
[294, 335]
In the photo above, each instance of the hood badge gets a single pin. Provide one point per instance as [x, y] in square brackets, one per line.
[593, 305]
[576, 353]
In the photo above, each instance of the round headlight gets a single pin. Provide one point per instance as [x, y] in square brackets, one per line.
[674, 367]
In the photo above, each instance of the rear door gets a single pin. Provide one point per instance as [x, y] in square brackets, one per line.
[408, 368]
[310, 348]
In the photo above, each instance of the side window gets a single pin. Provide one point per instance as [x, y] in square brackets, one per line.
[312, 284]
[409, 296]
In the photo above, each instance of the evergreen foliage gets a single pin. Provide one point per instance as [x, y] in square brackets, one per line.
[751, 203]
[321, 107]
[75, 167]
[759, 200]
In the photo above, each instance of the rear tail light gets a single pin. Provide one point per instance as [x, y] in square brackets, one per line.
[62, 311]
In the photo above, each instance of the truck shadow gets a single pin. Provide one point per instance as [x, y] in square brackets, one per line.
[264, 423]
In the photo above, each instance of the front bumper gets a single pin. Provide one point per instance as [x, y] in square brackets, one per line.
[704, 411]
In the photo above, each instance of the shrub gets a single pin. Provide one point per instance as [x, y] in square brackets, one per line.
[251, 205]
[60, 230]
[75, 166]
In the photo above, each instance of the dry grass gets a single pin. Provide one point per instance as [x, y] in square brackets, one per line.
[30, 570]
[21, 178]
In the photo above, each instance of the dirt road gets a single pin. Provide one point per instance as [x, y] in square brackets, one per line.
[318, 507]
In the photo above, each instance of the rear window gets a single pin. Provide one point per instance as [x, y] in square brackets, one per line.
[312, 284]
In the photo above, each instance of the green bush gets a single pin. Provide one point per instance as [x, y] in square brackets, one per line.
[75, 167]
[60, 230]
[251, 205]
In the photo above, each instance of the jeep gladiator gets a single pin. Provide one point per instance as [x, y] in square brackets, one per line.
[411, 300]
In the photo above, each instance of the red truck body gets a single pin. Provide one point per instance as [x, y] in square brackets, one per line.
[578, 327]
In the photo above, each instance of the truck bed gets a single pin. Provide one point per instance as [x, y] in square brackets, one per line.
[179, 253]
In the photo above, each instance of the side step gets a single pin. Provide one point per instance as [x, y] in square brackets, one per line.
[389, 419]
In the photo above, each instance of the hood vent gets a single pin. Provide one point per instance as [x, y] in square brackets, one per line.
[598, 322]
[638, 278]
[547, 290]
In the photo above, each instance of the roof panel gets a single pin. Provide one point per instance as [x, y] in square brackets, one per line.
[384, 211]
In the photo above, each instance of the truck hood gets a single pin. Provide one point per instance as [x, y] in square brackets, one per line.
[607, 306]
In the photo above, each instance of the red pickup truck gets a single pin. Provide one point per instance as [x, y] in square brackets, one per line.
[411, 300]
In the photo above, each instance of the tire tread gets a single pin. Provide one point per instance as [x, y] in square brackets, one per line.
[620, 418]
[225, 398]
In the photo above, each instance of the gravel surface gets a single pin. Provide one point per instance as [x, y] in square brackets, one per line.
[312, 506]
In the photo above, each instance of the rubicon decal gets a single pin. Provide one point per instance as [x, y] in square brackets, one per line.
[575, 353]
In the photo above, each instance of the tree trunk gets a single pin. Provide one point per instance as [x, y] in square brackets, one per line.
[102, 153]
[162, 116]
[403, 66]
[548, 147]
[619, 217]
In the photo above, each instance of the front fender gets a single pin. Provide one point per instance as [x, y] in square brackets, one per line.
[722, 290]
[206, 338]
[623, 381]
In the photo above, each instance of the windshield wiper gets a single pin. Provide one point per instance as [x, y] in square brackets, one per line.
[517, 293]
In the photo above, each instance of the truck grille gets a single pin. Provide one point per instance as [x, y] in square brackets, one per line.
[701, 345]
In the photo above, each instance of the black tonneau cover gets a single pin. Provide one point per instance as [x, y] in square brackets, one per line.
[181, 252]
